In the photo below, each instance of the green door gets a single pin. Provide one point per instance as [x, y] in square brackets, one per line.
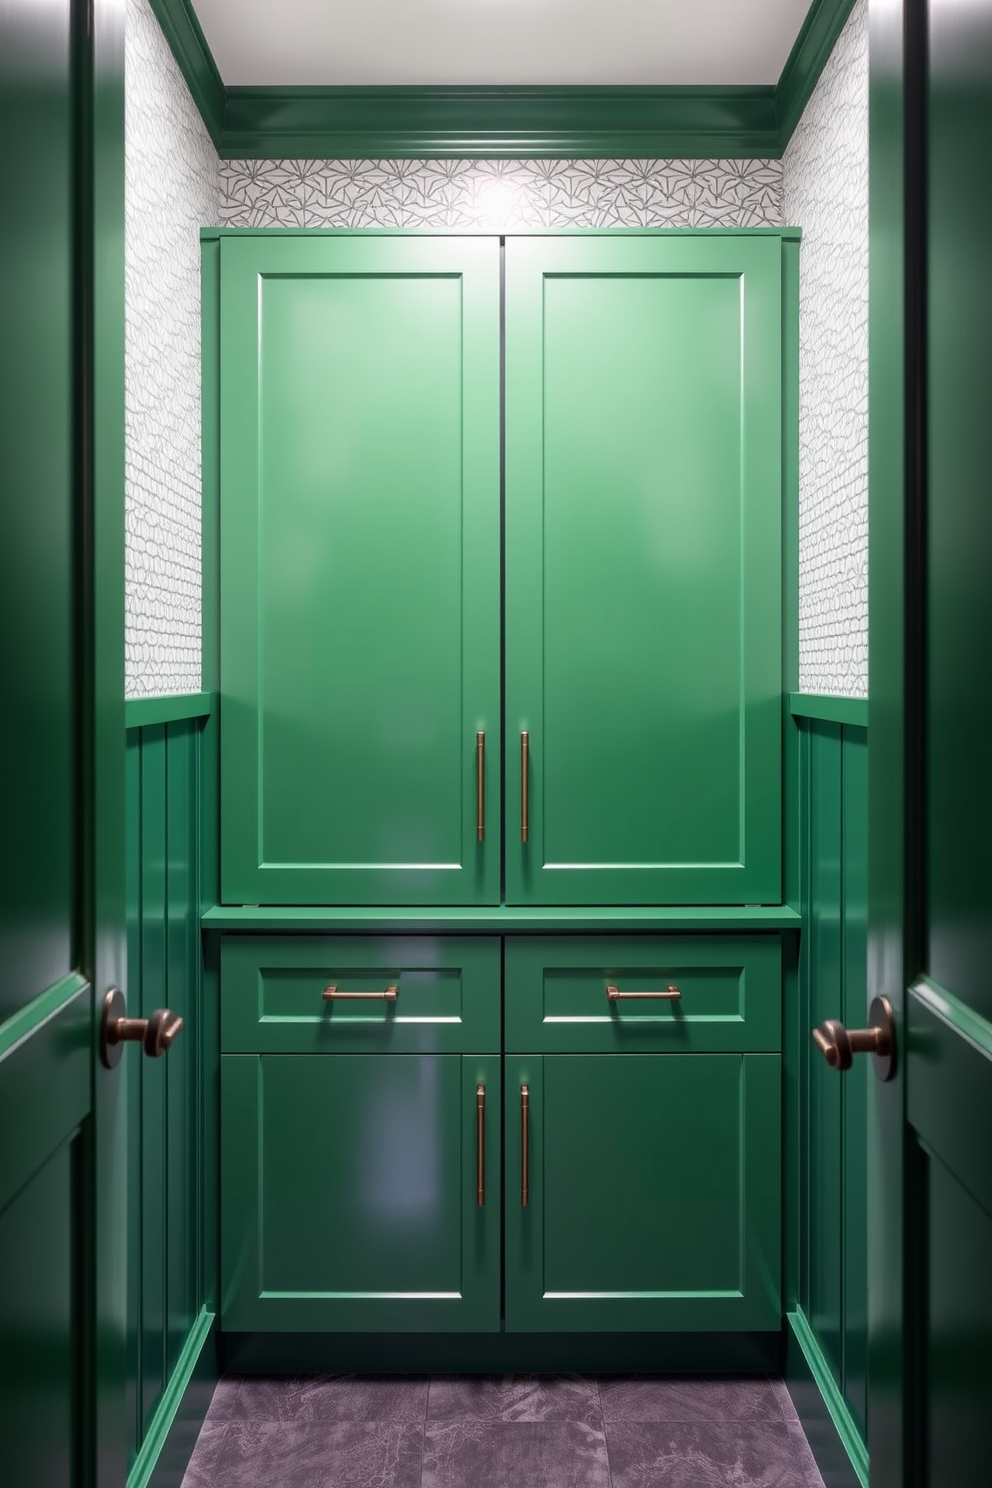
[643, 520]
[360, 569]
[642, 1192]
[931, 770]
[353, 1195]
[63, 1228]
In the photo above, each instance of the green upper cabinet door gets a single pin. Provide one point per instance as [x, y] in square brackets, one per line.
[643, 568]
[360, 569]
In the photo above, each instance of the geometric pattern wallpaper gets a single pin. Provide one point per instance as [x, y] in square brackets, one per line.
[500, 195]
[825, 170]
[170, 192]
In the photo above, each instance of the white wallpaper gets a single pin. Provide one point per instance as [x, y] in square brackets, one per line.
[501, 195]
[826, 194]
[170, 192]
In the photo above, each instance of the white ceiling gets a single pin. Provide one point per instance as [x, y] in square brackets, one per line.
[450, 42]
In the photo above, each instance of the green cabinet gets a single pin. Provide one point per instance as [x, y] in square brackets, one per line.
[653, 1196]
[500, 618]
[643, 1194]
[643, 559]
[350, 1134]
[430, 561]
[360, 577]
[350, 1193]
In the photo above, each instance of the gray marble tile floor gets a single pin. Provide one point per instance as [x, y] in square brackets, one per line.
[562, 1431]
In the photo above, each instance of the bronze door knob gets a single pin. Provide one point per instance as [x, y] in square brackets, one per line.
[838, 1044]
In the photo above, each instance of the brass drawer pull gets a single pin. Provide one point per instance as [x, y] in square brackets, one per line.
[670, 994]
[480, 786]
[332, 994]
[524, 1146]
[524, 786]
[480, 1145]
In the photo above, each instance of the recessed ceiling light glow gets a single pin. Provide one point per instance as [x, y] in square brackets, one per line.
[498, 203]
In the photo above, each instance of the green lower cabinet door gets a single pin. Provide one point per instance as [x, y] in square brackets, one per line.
[351, 1189]
[653, 1192]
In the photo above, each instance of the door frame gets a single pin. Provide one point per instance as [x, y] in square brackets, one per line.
[897, 547]
[100, 939]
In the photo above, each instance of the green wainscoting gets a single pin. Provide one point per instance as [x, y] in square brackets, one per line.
[827, 1112]
[169, 1335]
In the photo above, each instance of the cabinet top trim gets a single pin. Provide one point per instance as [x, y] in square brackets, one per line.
[501, 918]
[787, 234]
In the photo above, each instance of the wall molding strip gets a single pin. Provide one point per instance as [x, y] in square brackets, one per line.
[850, 711]
[834, 1440]
[196, 1359]
[499, 919]
[140, 712]
[513, 122]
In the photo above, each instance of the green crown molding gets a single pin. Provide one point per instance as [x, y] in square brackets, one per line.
[823, 24]
[511, 122]
[182, 31]
[628, 123]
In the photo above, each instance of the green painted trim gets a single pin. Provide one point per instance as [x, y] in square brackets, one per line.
[499, 918]
[188, 44]
[829, 1427]
[791, 252]
[957, 1015]
[509, 122]
[48, 1004]
[850, 711]
[801, 73]
[141, 712]
[192, 1357]
[787, 234]
[675, 1353]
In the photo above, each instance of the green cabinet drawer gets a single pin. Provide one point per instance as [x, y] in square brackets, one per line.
[653, 1192]
[416, 994]
[350, 1193]
[588, 994]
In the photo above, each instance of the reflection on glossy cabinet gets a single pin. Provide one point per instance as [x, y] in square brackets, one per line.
[360, 650]
[350, 1192]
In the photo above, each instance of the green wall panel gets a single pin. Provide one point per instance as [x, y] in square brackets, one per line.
[829, 1265]
[165, 1288]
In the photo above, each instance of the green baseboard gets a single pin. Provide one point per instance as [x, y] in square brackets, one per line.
[500, 1353]
[834, 1439]
[171, 1437]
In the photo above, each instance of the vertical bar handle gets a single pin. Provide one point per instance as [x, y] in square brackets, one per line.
[480, 786]
[524, 786]
[524, 1146]
[480, 1145]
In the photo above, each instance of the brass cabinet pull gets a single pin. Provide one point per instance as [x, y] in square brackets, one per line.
[524, 1146]
[670, 994]
[524, 786]
[480, 786]
[480, 1145]
[332, 994]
